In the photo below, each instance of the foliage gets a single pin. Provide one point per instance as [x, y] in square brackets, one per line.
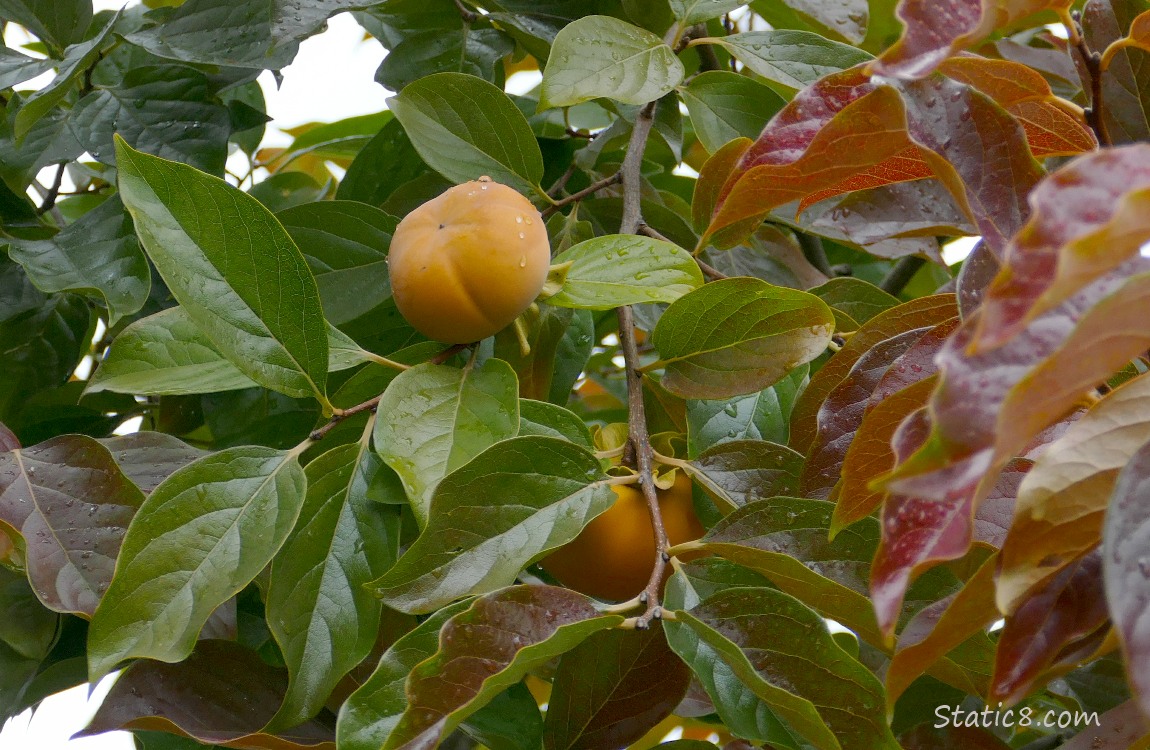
[326, 531]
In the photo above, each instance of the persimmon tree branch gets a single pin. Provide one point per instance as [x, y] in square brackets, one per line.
[1092, 61]
[638, 452]
[591, 189]
[901, 274]
[53, 191]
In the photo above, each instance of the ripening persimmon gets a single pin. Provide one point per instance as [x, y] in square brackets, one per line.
[467, 263]
[613, 556]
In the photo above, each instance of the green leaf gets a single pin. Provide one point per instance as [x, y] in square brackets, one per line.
[318, 609]
[345, 244]
[511, 632]
[603, 694]
[370, 713]
[551, 420]
[512, 504]
[617, 270]
[166, 354]
[386, 162]
[27, 628]
[739, 472]
[475, 52]
[695, 11]
[764, 415]
[725, 106]
[433, 419]
[77, 59]
[166, 110]
[738, 336]
[465, 127]
[236, 272]
[199, 538]
[99, 253]
[511, 721]
[57, 22]
[856, 299]
[16, 68]
[792, 59]
[601, 56]
[783, 651]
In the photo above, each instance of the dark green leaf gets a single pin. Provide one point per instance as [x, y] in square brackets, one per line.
[550, 420]
[792, 59]
[742, 471]
[462, 50]
[725, 105]
[57, 22]
[758, 416]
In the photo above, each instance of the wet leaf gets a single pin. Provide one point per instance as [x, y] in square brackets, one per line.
[793, 59]
[616, 270]
[742, 471]
[71, 504]
[738, 336]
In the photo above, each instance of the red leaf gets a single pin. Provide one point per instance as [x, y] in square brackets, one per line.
[222, 694]
[937, 29]
[1126, 568]
[1058, 626]
[1088, 217]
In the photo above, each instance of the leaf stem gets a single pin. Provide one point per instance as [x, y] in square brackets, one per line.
[53, 191]
[591, 189]
[385, 362]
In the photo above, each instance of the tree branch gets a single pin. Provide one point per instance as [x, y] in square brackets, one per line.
[815, 253]
[54, 191]
[369, 405]
[901, 274]
[1092, 61]
[639, 450]
[591, 189]
[468, 15]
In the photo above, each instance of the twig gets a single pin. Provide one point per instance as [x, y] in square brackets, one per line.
[815, 253]
[1092, 61]
[591, 189]
[710, 271]
[639, 451]
[447, 354]
[562, 181]
[468, 15]
[54, 191]
[899, 276]
[369, 405]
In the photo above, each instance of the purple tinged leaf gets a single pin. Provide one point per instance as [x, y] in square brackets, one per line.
[979, 269]
[8, 440]
[222, 694]
[1126, 568]
[71, 504]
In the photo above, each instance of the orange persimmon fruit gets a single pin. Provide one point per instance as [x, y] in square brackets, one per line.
[613, 556]
[466, 264]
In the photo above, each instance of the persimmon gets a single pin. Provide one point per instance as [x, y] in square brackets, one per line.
[466, 264]
[613, 556]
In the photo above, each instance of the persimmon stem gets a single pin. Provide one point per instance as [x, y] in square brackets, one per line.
[591, 189]
[708, 270]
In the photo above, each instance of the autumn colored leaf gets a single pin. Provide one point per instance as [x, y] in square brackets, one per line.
[487, 648]
[841, 414]
[223, 693]
[990, 406]
[925, 311]
[1063, 501]
[978, 271]
[1126, 568]
[72, 504]
[1089, 217]
[940, 627]
[712, 177]
[1138, 37]
[936, 30]
[1058, 626]
[848, 133]
[1054, 126]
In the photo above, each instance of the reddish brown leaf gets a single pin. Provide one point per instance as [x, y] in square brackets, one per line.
[936, 29]
[994, 515]
[1054, 126]
[1089, 217]
[924, 311]
[940, 627]
[497, 640]
[1124, 90]
[1121, 728]
[990, 406]
[871, 454]
[1126, 569]
[8, 439]
[1139, 37]
[714, 174]
[1058, 626]
[926, 737]
[72, 505]
[604, 694]
[842, 412]
[1062, 505]
[223, 694]
[978, 270]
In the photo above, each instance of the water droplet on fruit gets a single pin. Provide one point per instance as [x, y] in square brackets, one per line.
[522, 235]
[482, 187]
[522, 259]
[518, 219]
